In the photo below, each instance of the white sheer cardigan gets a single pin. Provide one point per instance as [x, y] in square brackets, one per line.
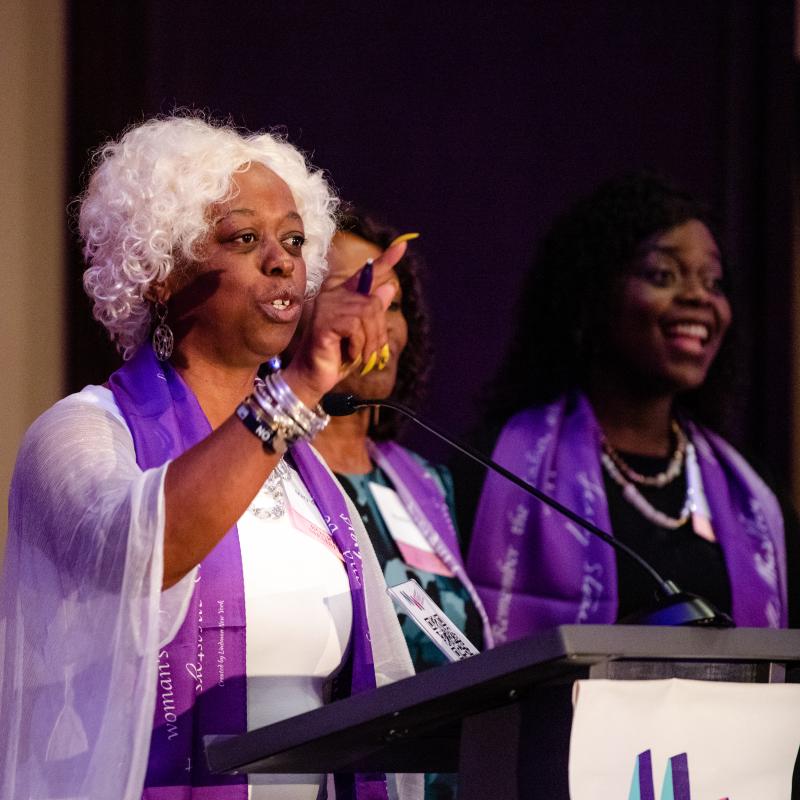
[82, 613]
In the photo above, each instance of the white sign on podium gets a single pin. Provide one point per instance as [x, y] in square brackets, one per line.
[680, 739]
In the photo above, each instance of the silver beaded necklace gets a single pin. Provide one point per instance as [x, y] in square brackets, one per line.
[270, 502]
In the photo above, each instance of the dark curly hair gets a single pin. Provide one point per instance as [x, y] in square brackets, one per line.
[570, 288]
[415, 360]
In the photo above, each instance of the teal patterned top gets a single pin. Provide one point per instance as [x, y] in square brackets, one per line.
[447, 592]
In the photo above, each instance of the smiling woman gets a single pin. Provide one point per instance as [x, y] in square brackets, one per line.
[180, 562]
[621, 359]
[672, 312]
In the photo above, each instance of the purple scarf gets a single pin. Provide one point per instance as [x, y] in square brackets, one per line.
[535, 569]
[427, 506]
[198, 692]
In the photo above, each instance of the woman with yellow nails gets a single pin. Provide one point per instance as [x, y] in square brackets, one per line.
[404, 501]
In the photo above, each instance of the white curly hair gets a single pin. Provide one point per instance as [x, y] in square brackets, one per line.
[146, 204]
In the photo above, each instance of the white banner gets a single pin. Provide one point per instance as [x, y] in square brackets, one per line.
[683, 740]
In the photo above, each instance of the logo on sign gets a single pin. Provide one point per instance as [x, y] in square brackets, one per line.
[676, 779]
[413, 598]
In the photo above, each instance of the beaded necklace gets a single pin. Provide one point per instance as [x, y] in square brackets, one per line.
[270, 502]
[663, 478]
[627, 479]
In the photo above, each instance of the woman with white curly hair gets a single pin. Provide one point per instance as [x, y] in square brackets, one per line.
[180, 562]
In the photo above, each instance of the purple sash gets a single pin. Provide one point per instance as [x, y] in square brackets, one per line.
[427, 506]
[535, 569]
[200, 692]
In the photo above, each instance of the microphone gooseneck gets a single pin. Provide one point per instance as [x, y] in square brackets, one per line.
[676, 607]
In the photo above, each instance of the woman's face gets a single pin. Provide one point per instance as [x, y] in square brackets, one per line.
[243, 299]
[671, 312]
[347, 255]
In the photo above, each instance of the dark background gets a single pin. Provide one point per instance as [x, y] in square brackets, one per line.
[475, 125]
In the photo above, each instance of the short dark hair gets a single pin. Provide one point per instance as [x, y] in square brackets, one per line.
[415, 360]
[569, 289]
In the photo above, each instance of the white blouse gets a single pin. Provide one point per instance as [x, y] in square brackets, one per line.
[297, 607]
[82, 597]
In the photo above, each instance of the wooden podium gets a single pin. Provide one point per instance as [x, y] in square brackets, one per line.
[502, 718]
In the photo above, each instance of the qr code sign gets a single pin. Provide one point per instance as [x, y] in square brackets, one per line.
[436, 625]
[450, 637]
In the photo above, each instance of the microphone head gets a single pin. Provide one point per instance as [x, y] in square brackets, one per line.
[340, 405]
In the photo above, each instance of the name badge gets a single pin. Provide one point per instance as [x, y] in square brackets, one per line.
[440, 629]
[413, 546]
[303, 512]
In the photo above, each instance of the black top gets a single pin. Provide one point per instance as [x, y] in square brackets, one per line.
[695, 564]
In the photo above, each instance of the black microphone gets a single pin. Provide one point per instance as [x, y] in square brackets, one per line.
[675, 607]
[343, 405]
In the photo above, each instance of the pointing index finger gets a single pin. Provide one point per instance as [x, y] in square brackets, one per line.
[386, 260]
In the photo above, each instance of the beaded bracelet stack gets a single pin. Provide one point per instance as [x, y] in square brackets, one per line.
[277, 416]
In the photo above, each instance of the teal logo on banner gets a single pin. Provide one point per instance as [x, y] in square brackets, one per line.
[676, 779]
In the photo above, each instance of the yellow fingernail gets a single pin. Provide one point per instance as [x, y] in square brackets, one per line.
[403, 237]
[370, 363]
[385, 355]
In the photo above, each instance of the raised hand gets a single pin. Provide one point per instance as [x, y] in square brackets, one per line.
[340, 315]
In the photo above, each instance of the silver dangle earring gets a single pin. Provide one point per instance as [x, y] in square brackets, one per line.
[163, 340]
